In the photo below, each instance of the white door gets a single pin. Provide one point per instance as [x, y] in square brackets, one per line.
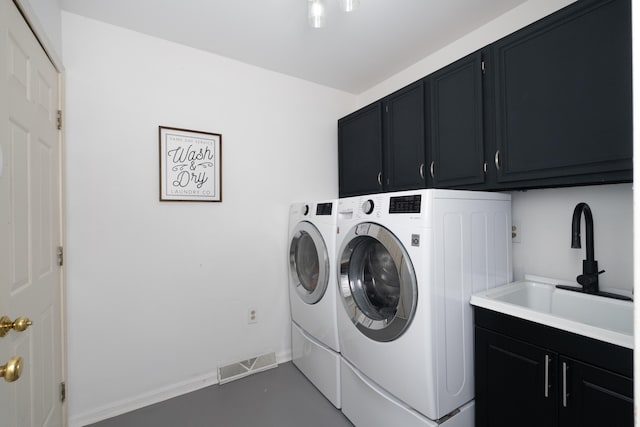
[30, 278]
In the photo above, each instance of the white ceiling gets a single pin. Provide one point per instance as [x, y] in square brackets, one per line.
[354, 52]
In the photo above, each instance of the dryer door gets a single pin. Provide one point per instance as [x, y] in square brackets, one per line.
[308, 262]
[377, 282]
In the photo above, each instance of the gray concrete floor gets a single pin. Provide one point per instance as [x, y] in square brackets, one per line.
[280, 397]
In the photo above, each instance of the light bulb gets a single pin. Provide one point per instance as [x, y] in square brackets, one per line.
[317, 13]
[350, 5]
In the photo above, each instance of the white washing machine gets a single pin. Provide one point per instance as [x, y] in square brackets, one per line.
[312, 295]
[408, 264]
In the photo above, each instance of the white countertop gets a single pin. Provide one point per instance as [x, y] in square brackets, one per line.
[538, 300]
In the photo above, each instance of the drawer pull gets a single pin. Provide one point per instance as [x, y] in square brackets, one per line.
[565, 394]
[547, 359]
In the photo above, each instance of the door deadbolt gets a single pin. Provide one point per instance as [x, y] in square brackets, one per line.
[18, 325]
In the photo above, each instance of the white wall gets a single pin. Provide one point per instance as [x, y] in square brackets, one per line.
[159, 293]
[544, 219]
[44, 16]
[509, 22]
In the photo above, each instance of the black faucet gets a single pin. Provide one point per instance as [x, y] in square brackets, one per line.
[589, 277]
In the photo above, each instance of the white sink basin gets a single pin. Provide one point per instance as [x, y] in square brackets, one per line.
[538, 300]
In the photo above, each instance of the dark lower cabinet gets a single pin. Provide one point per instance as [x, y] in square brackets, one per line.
[528, 375]
[512, 384]
[594, 397]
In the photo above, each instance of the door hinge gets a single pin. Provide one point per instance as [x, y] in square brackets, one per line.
[60, 256]
[59, 119]
[63, 392]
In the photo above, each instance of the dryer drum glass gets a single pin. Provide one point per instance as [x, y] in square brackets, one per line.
[307, 262]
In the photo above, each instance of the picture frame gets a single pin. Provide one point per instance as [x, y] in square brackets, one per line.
[190, 165]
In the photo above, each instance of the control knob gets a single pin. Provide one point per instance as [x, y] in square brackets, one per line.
[367, 207]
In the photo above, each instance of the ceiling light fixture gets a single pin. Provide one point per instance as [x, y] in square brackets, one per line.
[318, 11]
[350, 5]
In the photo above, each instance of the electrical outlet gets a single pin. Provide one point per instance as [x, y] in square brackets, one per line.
[253, 315]
[516, 234]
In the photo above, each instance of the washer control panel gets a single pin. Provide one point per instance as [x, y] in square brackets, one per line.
[405, 204]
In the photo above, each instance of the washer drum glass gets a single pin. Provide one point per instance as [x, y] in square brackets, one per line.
[377, 282]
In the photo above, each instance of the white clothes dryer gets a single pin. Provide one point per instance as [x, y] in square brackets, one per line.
[312, 295]
[408, 264]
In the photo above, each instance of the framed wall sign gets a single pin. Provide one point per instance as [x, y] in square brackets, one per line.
[190, 163]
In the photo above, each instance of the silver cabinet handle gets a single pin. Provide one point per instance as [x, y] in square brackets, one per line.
[431, 167]
[422, 170]
[565, 368]
[496, 160]
[380, 178]
[547, 359]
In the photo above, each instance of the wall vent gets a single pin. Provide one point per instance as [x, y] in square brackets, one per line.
[243, 368]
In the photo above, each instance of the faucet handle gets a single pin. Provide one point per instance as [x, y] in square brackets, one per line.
[589, 281]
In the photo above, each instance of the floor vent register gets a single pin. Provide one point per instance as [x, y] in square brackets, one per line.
[243, 368]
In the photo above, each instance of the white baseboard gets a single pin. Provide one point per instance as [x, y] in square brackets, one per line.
[142, 400]
[152, 397]
[284, 356]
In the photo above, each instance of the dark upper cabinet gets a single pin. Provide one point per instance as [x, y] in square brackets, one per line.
[456, 124]
[391, 129]
[563, 99]
[360, 151]
[549, 105]
[404, 143]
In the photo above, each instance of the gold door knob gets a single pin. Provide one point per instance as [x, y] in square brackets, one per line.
[19, 325]
[12, 369]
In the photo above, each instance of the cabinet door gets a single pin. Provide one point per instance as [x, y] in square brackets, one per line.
[404, 144]
[514, 383]
[594, 397]
[564, 99]
[457, 146]
[360, 152]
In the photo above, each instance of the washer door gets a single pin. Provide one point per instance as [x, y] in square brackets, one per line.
[308, 262]
[377, 282]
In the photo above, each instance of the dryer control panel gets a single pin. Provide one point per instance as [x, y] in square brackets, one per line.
[324, 208]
